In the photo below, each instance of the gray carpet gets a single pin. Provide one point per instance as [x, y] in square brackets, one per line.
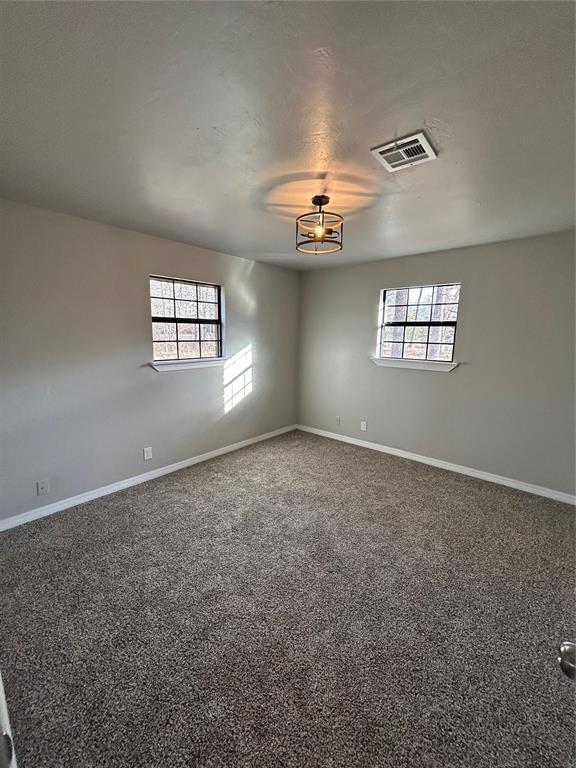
[298, 603]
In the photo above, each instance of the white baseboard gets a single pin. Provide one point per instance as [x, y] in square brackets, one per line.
[73, 501]
[519, 485]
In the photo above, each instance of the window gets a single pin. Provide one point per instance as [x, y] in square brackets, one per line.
[186, 319]
[419, 323]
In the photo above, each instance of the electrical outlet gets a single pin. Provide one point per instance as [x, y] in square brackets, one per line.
[42, 487]
[363, 426]
[338, 420]
[147, 452]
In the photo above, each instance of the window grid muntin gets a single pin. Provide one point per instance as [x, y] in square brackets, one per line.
[175, 319]
[418, 323]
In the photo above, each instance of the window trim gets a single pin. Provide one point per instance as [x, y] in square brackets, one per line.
[182, 363]
[408, 362]
[187, 364]
[423, 365]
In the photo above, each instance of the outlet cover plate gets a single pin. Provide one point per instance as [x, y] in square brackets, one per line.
[42, 487]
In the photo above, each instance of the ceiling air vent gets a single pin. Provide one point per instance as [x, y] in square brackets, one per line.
[405, 152]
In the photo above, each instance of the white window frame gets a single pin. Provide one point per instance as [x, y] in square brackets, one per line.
[411, 363]
[185, 364]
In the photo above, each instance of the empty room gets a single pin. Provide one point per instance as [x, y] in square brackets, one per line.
[287, 384]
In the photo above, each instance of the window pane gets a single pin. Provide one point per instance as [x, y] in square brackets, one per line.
[420, 295]
[398, 296]
[164, 331]
[162, 308]
[394, 314]
[161, 288]
[209, 349]
[445, 312]
[415, 351]
[185, 291]
[392, 333]
[446, 352]
[441, 333]
[391, 350]
[210, 332]
[188, 332]
[207, 293]
[208, 311]
[446, 294]
[165, 350]
[189, 349]
[186, 309]
[416, 333]
[440, 352]
[419, 312]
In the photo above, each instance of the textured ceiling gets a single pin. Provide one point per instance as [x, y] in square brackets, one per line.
[214, 123]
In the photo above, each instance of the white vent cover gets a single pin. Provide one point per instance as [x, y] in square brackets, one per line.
[405, 152]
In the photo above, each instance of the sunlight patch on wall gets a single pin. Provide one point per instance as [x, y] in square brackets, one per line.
[237, 378]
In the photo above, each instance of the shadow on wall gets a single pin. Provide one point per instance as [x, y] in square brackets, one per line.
[237, 378]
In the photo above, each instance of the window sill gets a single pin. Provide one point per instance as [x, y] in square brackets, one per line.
[423, 365]
[184, 365]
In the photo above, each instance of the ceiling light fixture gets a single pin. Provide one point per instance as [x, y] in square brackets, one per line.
[319, 231]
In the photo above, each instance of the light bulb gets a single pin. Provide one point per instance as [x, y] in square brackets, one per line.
[319, 231]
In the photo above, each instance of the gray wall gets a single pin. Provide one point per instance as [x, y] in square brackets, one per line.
[78, 398]
[508, 408]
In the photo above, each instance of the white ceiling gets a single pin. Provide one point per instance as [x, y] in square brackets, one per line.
[214, 123]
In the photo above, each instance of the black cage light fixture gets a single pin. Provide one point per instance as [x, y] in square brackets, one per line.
[319, 231]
